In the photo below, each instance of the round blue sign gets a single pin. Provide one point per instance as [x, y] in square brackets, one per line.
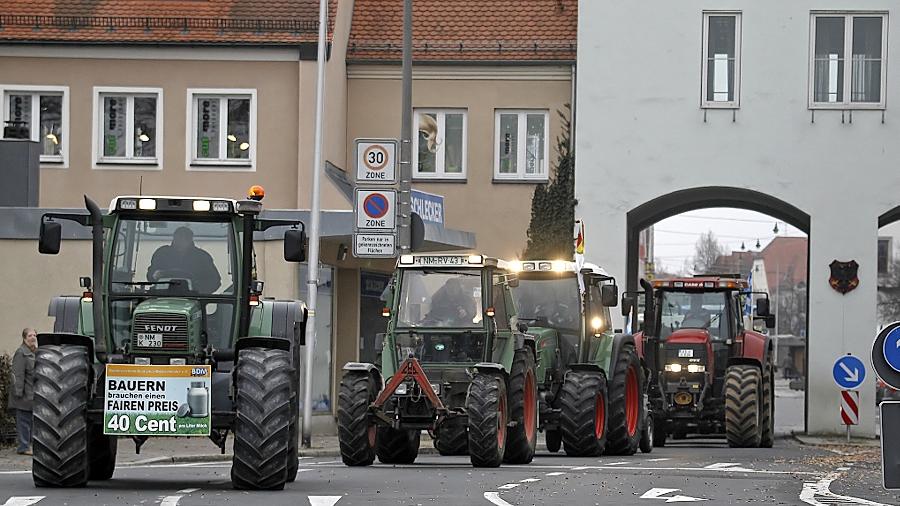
[849, 372]
[375, 205]
[891, 349]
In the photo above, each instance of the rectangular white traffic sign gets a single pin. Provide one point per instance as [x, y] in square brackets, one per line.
[376, 161]
[375, 209]
[374, 245]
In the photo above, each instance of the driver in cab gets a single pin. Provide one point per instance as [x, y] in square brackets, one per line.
[697, 316]
[183, 259]
[452, 303]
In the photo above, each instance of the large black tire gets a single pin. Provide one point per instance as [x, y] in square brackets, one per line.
[452, 438]
[488, 419]
[553, 440]
[626, 406]
[102, 453]
[743, 406]
[583, 414]
[293, 456]
[263, 419]
[647, 435]
[395, 446]
[522, 399]
[356, 433]
[660, 432]
[767, 436]
[60, 437]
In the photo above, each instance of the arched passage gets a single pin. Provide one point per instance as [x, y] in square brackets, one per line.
[682, 201]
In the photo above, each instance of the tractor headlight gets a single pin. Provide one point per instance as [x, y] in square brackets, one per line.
[402, 389]
[696, 368]
[142, 360]
[177, 361]
[147, 204]
[673, 367]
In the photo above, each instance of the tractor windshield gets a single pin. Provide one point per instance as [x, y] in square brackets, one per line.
[552, 302]
[446, 299]
[694, 310]
[174, 258]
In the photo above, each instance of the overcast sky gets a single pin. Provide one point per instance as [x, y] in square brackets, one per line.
[675, 237]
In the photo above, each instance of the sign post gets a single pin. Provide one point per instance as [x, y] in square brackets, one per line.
[849, 373]
[849, 409]
[375, 206]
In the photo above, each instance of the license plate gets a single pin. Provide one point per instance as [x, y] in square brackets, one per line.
[149, 340]
[685, 353]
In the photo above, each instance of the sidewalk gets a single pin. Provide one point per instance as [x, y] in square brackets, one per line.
[835, 441]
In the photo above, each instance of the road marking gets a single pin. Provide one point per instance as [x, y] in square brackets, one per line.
[324, 500]
[814, 491]
[658, 460]
[494, 498]
[529, 480]
[617, 463]
[508, 486]
[555, 474]
[172, 500]
[23, 500]
[658, 493]
[728, 466]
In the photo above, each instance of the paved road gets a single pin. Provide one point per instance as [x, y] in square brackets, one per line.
[689, 471]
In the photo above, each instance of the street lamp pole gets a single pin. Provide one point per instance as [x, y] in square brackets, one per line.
[405, 206]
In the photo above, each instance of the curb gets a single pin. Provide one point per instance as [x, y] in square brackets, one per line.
[822, 442]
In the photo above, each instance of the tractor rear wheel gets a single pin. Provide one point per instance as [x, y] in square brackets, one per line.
[626, 387]
[452, 438]
[767, 437]
[102, 450]
[488, 417]
[553, 440]
[356, 433]
[583, 416]
[397, 446]
[293, 457]
[743, 406]
[522, 399]
[262, 423]
[647, 435]
[60, 436]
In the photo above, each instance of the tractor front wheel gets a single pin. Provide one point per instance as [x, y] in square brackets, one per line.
[767, 437]
[397, 446]
[553, 440]
[488, 417]
[60, 439]
[262, 424]
[660, 433]
[647, 435]
[583, 417]
[626, 406]
[356, 433]
[522, 399]
[452, 438]
[743, 406]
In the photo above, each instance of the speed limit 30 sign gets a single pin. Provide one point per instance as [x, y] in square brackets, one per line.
[376, 161]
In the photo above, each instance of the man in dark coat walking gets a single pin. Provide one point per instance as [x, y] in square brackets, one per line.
[21, 398]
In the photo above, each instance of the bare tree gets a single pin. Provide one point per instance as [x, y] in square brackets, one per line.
[706, 252]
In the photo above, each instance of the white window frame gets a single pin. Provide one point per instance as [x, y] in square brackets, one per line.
[521, 148]
[51, 161]
[128, 162]
[440, 158]
[712, 104]
[192, 163]
[847, 104]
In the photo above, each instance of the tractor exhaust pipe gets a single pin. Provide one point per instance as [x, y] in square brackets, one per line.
[97, 274]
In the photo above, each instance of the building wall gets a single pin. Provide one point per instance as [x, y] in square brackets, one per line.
[642, 134]
[276, 84]
[497, 212]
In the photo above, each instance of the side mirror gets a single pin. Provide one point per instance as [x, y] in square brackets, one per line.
[522, 327]
[627, 304]
[85, 282]
[762, 307]
[50, 237]
[609, 295]
[295, 245]
[770, 321]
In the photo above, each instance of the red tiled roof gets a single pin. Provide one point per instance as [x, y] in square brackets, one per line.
[161, 21]
[466, 30]
[785, 258]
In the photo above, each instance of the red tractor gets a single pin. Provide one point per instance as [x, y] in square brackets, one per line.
[710, 372]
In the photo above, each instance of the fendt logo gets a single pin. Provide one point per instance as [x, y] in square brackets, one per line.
[160, 328]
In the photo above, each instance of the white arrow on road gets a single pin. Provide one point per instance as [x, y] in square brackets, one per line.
[23, 501]
[852, 376]
[323, 500]
[658, 493]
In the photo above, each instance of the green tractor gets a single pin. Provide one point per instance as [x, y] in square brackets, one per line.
[591, 380]
[454, 362]
[170, 338]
